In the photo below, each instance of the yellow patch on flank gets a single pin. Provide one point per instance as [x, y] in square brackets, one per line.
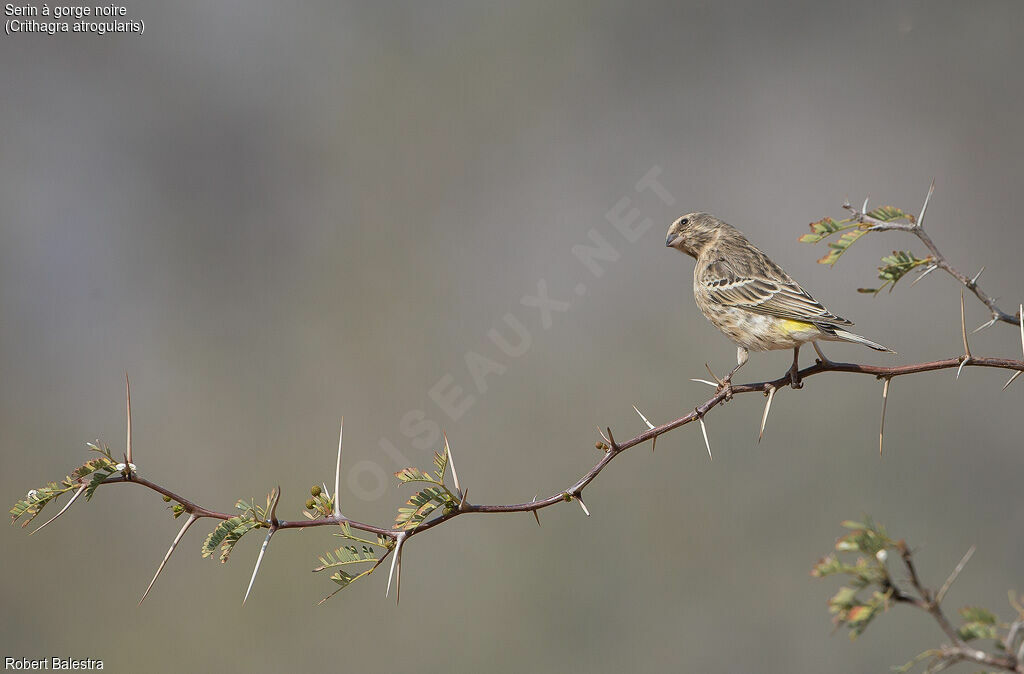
[790, 327]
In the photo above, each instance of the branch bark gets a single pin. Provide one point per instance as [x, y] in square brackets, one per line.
[614, 449]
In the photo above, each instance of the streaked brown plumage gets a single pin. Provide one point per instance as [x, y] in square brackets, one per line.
[750, 298]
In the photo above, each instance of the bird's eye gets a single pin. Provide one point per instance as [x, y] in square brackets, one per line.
[684, 221]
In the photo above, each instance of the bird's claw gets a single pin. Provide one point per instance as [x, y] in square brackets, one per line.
[723, 384]
[794, 378]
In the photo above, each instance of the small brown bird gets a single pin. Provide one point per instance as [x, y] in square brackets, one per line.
[750, 298]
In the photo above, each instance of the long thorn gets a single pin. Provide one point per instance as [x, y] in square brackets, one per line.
[705, 381]
[451, 463]
[864, 208]
[767, 408]
[582, 504]
[398, 551]
[177, 539]
[128, 405]
[259, 560]
[963, 326]
[704, 430]
[931, 189]
[535, 515]
[952, 577]
[1010, 380]
[963, 333]
[398, 580]
[62, 510]
[604, 437]
[650, 426]
[984, 326]
[977, 276]
[885, 402]
[337, 471]
[928, 270]
[611, 439]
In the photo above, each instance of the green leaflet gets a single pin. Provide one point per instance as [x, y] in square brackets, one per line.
[37, 499]
[848, 607]
[890, 213]
[97, 479]
[411, 474]
[421, 505]
[346, 532]
[441, 463]
[979, 623]
[346, 554]
[894, 267]
[851, 230]
[825, 228]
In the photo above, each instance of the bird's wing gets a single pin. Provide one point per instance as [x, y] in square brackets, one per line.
[773, 294]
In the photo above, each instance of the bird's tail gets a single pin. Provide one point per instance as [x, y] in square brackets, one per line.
[850, 337]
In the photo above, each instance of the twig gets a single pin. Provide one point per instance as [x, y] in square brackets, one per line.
[614, 450]
[939, 260]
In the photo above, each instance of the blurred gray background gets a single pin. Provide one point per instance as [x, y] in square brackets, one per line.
[272, 215]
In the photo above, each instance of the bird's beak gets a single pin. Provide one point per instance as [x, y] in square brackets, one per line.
[671, 239]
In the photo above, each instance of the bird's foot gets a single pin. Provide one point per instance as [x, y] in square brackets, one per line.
[719, 384]
[724, 385]
[794, 377]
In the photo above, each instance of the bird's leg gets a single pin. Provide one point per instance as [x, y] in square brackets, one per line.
[821, 354]
[741, 360]
[794, 372]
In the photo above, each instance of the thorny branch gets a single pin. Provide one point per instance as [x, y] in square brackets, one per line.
[612, 449]
[394, 539]
[856, 612]
[938, 260]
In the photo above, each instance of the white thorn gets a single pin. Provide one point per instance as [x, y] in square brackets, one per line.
[928, 270]
[962, 363]
[931, 189]
[583, 505]
[978, 275]
[1012, 377]
[177, 539]
[983, 326]
[399, 540]
[704, 430]
[259, 560]
[885, 402]
[649, 424]
[705, 381]
[952, 576]
[337, 471]
[654, 441]
[864, 208]
[398, 579]
[62, 510]
[128, 405]
[767, 408]
[604, 437]
[451, 464]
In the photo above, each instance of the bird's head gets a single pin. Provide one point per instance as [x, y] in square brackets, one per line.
[693, 232]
